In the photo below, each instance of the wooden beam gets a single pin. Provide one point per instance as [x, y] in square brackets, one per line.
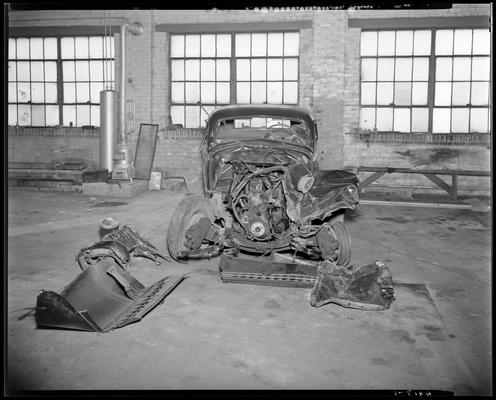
[478, 21]
[442, 184]
[370, 179]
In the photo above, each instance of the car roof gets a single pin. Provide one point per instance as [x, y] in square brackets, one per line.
[272, 110]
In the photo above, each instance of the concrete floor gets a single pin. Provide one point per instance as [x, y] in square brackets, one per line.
[211, 335]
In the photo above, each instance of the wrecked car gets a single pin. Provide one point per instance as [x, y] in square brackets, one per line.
[264, 191]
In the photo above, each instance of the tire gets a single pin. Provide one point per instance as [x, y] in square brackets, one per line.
[189, 211]
[342, 236]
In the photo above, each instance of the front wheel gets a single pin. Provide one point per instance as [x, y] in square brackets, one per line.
[335, 243]
[189, 212]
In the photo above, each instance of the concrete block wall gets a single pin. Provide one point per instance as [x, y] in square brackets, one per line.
[329, 84]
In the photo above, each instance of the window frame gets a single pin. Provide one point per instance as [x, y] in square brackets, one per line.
[233, 66]
[431, 83]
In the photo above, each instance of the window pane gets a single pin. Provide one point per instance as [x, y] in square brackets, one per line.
[95, 115]
[24, 115]
[480, 93]
[52, 115]
[69, 93]
[68, 71]
[479, 120]
[274, 69]
[258, 44]
[441, 120]
[403, 69]
[12, 55]
[369, 69]
[192, 70]
[422, 43]
[459, 120]
[402, 93]
[243, 70]
[36, 47]
[223, 93]
[223, 70]
[23, 71]
[368, 44]
[38, 115]
[463, 41]
[95, 88]
[461, 93]
[419, 93]
[461, 69]
[51, 93]
[23, 92]
[258, 70]
[108, 42]
[443, 94]
[368, 93]
[384, 119]
[50, 51]
[404, 43]
[82, 93]
[205, 111]
[385, 69]
[291, 44]
[22, 51]
[177, 115]
[274, 43]
[443, 69]
[192, 92]
[420, 119]
[386, 43]
[481, 41]
[290, 95]
[243, 93]
[69, 115]
[12, 92]
[37, 92]
[192, 45]
[384, 93]
[82, 49]
[402, 119]
[96, 47]
[177, 92]
[290, 69]
[82, 71]
[192, 117]
[274, 92]
[96, 70]
[51, 71]
[177, 70]
[12, 114]
[67, 48]
[444, 42]
[12, 71]
[258, 95]
[367, 118]
[207, 70]
[420, 69]
[177, 46]
[223, 45]
[480, 68]
[83, 115]
[208, 92]
[243, 45]
[208, 45]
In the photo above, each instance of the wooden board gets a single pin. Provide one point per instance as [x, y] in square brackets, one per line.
[145, 150]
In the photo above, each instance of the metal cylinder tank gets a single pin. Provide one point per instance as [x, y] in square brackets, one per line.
[109, 123]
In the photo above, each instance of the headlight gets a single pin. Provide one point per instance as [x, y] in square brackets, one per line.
[351, 193]
[305, 183]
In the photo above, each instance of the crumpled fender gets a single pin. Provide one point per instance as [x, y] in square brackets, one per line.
[105, 248]
[371, 287]
[103, 297]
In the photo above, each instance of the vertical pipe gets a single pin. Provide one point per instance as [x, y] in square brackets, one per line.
[122, 102]
[108, 127]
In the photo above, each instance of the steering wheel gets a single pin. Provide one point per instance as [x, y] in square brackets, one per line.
[270, 134]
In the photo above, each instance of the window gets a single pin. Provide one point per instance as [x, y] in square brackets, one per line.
[57, 80]
[210, 70]
[422, 81]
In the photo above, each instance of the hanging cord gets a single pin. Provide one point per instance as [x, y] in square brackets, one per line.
[110, 56]
[105, 50]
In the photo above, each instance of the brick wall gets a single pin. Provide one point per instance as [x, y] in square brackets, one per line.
[329, 86]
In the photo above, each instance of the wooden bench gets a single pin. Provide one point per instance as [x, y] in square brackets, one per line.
[69, 173]
[431, 174]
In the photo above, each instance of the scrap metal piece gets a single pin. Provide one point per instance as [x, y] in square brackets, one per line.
[135, 243]
[369, 288]
[105, 248]
[103, 297]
